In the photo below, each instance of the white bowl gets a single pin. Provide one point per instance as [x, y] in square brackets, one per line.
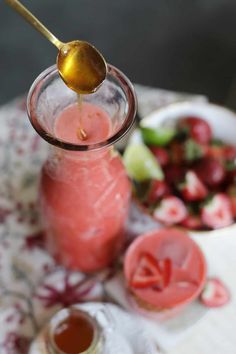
[223, 125]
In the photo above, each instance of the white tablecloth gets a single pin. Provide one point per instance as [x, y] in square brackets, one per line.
[215, 334]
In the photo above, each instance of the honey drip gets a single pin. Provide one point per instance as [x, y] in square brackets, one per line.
[81, 133]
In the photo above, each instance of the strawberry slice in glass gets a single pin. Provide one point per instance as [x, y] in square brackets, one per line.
[147, 272]
[165, 266]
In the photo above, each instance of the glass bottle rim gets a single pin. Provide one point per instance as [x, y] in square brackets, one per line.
[124, 83]
[62, 315]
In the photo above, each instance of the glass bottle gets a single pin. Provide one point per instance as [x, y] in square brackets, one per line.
[84, 191]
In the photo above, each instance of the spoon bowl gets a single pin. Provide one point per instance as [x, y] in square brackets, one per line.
[81, 66]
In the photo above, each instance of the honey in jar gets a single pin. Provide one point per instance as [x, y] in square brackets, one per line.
[73, 331]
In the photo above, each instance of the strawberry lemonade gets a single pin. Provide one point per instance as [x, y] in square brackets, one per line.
[84, 190]
[85, 224]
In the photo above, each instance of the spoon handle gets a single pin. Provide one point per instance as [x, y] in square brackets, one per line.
[29, 17]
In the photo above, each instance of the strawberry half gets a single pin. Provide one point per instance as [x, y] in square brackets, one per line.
[147, 273]
[171, 210]
[158, 189]
[215, 294]
[193, 189]
[217, 212]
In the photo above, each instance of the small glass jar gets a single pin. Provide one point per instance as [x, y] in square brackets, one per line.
[50, 345]
[84, 190]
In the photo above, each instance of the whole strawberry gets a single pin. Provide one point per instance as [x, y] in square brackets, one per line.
[210, 171]
[197, 128]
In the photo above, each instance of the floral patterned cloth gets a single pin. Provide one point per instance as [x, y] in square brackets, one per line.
[32, 286]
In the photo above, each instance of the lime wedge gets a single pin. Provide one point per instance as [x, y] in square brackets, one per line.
[140, 163]
[160, 136]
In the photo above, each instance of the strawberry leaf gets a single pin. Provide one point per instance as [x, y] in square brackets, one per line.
[192, 150]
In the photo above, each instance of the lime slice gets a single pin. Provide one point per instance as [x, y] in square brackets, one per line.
[140, 163]
[160, 136]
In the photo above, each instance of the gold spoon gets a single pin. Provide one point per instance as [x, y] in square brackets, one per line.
[81, 66]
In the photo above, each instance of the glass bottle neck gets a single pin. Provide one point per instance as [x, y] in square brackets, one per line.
[49, 97]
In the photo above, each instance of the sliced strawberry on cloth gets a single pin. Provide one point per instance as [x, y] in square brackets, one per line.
[193, 189]
[147, 272]
[217, 212]
[171, 210]
[215, 293]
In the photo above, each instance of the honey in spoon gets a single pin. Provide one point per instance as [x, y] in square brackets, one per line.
[81, 66]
